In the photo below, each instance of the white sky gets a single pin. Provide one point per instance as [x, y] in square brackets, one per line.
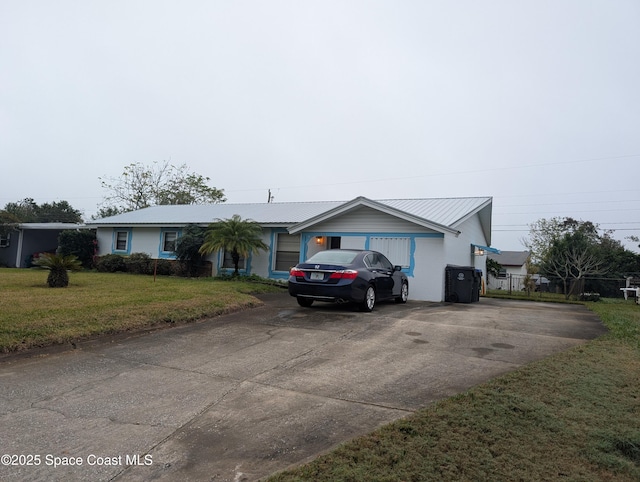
[536, 103]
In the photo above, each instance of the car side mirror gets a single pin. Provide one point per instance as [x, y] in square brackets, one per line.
[397, 268]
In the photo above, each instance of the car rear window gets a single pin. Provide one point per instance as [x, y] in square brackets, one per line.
[333, 257]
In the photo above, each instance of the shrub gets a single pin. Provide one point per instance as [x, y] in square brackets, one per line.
[58, 266]
[110, 263]
[138, 263]
[164, 267]
[79, 243]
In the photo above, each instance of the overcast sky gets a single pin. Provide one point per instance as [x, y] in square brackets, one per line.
[536, 103]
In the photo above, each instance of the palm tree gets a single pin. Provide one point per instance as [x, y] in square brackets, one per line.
[58, 266]
[236, 235]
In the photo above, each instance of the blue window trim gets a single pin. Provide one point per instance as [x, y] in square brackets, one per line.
[167, 254]
[273, 274]
[306, 237]
[114, 241]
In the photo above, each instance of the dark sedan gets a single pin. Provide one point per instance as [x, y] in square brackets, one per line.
[344, 275]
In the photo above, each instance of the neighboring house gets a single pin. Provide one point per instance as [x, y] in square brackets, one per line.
[18, 247]
[513, 270]
[421, 235]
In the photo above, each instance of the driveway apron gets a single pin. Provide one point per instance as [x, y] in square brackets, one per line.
[247, 394]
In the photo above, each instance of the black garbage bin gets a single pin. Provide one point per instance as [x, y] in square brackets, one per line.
[461, 284]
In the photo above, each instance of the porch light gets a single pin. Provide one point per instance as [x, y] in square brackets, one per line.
[319, 239]
[478, 251]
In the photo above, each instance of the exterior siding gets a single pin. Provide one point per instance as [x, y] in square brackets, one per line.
[365, 219]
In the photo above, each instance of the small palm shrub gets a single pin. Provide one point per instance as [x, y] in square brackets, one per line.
[59, 267]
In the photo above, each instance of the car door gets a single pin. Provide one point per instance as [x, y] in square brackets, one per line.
[391, 286]
[382, 272]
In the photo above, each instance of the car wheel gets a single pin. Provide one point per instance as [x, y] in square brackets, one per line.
[404, 293]
[369, 301]
[304, 302]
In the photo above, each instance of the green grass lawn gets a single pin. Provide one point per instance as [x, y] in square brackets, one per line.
[32, 314]
[574, 416]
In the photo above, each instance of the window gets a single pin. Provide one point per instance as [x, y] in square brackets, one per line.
[227, 261]
[287, 251]
[169, 239]
[502, 273]
[122, 240]
[4, 241]
[398, 250]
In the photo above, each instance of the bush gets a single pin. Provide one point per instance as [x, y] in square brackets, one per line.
[79, 243]
[164, 267]
[110, 263]
[138, 263]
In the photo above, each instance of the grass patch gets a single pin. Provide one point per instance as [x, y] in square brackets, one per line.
[32, 314]
[574, 416]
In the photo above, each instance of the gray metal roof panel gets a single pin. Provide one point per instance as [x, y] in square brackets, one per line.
[444, 211]
[265, 213]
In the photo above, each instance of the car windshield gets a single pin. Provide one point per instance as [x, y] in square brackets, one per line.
[333, 257]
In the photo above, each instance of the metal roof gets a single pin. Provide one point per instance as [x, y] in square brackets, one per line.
[444, 211]
[510, 258]
[53, 226]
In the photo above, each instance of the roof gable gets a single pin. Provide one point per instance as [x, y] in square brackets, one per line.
[380, 206]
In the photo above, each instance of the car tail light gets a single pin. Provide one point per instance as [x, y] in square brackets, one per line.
[345, 274]
[296, 272]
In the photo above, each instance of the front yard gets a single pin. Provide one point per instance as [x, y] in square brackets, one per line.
[33, 315]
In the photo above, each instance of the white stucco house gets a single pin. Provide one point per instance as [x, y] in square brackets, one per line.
[421, 235]
[513, 272]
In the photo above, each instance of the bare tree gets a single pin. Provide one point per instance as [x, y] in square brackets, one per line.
[142, 186]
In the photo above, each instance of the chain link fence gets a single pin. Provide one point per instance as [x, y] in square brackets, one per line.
[605, 287]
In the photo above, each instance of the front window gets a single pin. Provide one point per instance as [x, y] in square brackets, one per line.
[169, 241]
[4, 241]
[287, 251]
[227, 261]
[122, 240]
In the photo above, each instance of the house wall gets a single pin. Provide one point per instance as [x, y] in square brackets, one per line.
[514, 279]
[141, 240]
[8, 254]
[459, 250]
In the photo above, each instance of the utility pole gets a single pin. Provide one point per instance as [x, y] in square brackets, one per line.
[269, 197]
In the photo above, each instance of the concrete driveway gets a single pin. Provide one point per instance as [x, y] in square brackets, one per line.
[247, 394]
